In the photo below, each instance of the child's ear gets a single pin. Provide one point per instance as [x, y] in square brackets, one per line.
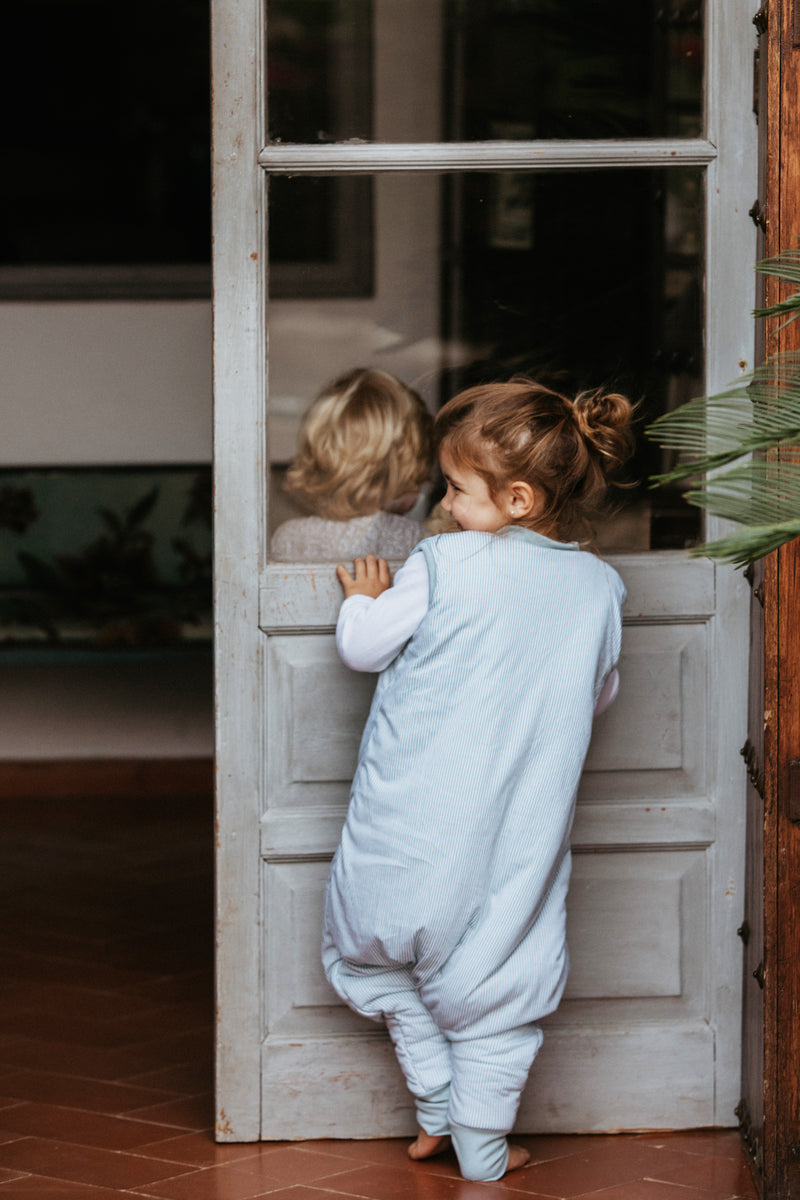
[524, 500]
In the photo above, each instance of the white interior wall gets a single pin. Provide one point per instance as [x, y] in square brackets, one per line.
[105, 382]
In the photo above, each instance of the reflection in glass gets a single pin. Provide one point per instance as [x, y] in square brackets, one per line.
[364, 453]
[545, 69]
[581, 279]
[319, 70]
[320, 236]
[500, 69]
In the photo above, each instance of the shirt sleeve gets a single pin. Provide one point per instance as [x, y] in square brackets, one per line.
[608, 692]
[369, 632]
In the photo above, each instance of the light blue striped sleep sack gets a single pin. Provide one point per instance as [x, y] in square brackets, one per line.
[453, 866]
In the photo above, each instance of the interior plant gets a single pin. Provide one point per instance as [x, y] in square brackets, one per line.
[112, 589]
[740, 448]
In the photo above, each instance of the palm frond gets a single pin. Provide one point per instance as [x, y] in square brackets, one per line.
[757, 414]
[758, 411]
[790, 305]
[755, 493]
[746, 545]
[785, 265]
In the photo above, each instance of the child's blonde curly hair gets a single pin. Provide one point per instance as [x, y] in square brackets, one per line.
[365, 442]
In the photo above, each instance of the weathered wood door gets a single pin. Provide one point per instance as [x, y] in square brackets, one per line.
[438, 240]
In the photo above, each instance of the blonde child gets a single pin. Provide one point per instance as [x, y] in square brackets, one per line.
[365, 451]
[445, 908]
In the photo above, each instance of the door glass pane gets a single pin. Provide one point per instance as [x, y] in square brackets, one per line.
[579, 279]
[546, 69]
[431, 70]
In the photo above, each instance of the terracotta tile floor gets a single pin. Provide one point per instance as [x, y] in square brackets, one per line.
[105, 1043]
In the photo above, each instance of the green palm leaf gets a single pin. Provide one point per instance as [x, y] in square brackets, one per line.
[785, 265]
[758, 414]
[746, 545]
[756, 493]
[755, 413]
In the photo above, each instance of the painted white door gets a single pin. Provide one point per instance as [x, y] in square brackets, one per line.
[432, 270]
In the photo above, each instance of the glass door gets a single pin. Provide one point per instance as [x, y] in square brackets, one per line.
[460, 190]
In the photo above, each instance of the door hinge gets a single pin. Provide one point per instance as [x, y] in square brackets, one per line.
[756, 80]
[749, 574]
[750, 1135]
[760, 19]
[759, 214]
[793, 799]
[758, 975]
[744, 932]
[754, 772]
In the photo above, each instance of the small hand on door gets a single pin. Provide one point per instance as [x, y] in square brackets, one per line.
[372, 577]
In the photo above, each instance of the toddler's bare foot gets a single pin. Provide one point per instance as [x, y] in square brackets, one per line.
[517, 1157]
[427, 1145]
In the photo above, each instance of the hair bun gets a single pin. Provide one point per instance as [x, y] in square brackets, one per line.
[603, 419]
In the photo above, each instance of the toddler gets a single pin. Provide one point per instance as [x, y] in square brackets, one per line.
[445, 907]
[365, 451]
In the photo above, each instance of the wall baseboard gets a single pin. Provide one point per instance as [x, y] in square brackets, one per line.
[112, 778]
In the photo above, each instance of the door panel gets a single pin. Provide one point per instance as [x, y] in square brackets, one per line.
[316, 713]
[638, 923]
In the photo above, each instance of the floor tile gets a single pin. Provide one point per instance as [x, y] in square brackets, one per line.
[725, 1143]
[643, 1189]
[215, 1183]
[83, 1164]
[200, 1150]
[385, 1182]
[7, 1173]
[216, 1188]
[191, 991]
[37, 1187]
[189, 1077]
[106, 1063]
[724, 1176]
[571, 1176]
[306, 1193]
[187, 1112]
[93, 1094]
[60, 999]
[83, 1128]
[289, 1164]
[356, 1153]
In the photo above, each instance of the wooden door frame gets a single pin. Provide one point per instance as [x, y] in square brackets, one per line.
[240, 380]
[780, 1171]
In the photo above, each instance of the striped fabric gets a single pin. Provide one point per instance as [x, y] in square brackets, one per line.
[445, 909]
